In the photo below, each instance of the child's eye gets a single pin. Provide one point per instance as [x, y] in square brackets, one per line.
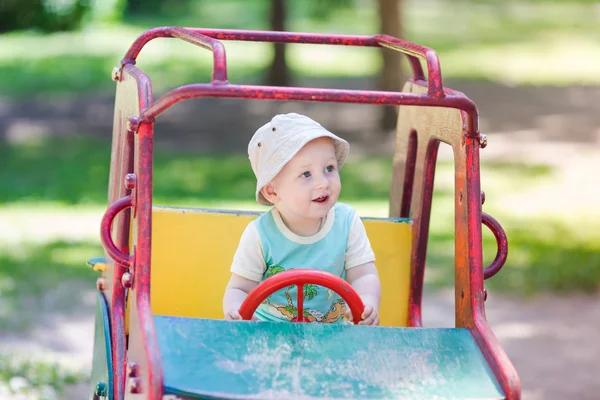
[330, 168]
[305, 174]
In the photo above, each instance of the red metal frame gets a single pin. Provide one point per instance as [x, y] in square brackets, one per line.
[136, 159]
[501, 242]
[300, 277]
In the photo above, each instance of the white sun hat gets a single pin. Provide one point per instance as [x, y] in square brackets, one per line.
[277, 142]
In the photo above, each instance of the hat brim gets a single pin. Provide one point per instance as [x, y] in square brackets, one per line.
[284, 154]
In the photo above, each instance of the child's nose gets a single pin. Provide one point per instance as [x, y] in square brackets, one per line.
[322, 182]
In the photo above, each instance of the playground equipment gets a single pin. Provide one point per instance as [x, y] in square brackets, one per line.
[160, 331]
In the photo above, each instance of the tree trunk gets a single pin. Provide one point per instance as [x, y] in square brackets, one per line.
[392, 79]
[278, 72]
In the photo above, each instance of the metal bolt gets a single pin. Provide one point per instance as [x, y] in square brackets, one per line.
[127, 280]
[130, 181]
[132, 124]
[132, 370]
[482, 197]
[116, 74]
[135, 385]
[484, 294]
[482, 141]
[101, 389]
[100, 283]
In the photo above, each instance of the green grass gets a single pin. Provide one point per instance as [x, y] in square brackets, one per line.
[29, 271]
[522, 43]
[45, 380]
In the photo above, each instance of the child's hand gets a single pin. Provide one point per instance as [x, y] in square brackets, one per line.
[369, 316]
[234, 315]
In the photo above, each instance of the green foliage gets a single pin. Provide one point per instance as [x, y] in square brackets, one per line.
[37, 375]
[274, 270]
[310, 291]
[28, 271]
[46, 16]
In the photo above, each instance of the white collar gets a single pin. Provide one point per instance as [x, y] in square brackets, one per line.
[304, 239]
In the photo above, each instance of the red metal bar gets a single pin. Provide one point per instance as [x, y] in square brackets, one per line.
[474, 318]
[219, 60]
[288, 37]
[411, 50]
[497, 359]
[154, 391]
[202, 36]
[300, 304]
[301, 277]
[313, 94]
[421, 229]
[502, 243]
[105, 231]
[409, 176]
[435, 88]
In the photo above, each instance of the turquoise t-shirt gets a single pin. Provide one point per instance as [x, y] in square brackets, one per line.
[325, 251]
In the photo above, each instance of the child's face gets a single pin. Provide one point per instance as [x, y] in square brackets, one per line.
[309, 184]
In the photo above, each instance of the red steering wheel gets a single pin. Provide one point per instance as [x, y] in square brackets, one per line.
[300, 277]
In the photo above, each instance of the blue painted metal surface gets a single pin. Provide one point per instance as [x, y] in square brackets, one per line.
[102, 368]
[227, 360]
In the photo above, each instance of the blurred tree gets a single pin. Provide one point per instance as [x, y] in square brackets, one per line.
[44, 15]
[392, 78]
[279, 74]
[157, 7]
[108, 10]
[390, 22]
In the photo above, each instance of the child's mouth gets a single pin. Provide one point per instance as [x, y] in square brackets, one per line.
[322, 199]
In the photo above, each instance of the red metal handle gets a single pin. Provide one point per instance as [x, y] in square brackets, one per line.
[435, 87]
[301, 277]
[105, 228]
[209, 39]
[219, 75]
[502, 243]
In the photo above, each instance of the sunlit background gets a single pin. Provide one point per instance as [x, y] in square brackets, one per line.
[532, 67]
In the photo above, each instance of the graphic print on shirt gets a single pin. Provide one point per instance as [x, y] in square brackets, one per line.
[290, 310]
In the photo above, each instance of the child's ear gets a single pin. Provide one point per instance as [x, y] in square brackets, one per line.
[270, 193]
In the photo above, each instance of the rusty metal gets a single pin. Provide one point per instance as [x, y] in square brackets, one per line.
[435, 97]
[501, 242]
[469, 269]
[313, 94]
[135, 385]
[134, 93]
[127, 280]
[469, 290]
[219, 61]
[130, 180]
[409, 176]
[482, 141]
[105, 231]
[421, 232]
[132, 370]
[116, 74]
